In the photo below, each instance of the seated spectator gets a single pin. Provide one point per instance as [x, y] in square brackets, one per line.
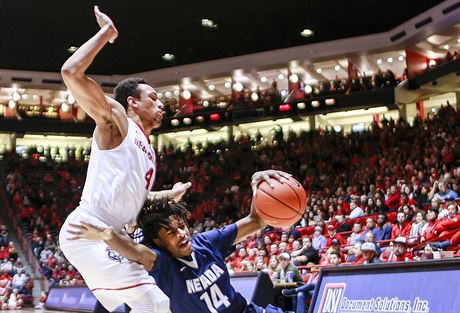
[306, 254]
[356, 235]
[370, 237]
[402, 227]
[417, 227]
[334, 258]
[286, 269]
[356, 210]
[319, 241]
[4, 253]
[3, 235]
[355, 254]
[442, 191]
[398, 253]
[332, 234]
[341, 225]
[369, 253]
[273, 267]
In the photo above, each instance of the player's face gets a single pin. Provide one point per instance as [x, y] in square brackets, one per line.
[176, 238]
[150, 109]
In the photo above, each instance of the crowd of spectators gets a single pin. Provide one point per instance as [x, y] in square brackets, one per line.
[450, 56]
[16, 283]
[386, 194]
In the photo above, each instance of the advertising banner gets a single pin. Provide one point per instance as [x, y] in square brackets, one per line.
[387, 291]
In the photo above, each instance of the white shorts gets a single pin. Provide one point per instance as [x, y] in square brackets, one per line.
[113, 279]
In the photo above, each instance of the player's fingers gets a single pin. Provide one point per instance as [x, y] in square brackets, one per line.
[89, 225]
[266, 177]
[284, 174]
[77, 226]
[96, 10]
[76, 233]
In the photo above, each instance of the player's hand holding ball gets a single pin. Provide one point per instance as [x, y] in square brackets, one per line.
[279, 199]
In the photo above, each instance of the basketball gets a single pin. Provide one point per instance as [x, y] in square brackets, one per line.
[283, 205]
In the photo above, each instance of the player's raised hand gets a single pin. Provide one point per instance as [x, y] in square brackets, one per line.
[260, 176]
[88, 231]
[178, 190]
[103, 20]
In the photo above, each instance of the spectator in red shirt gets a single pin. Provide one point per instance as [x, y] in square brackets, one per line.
[394, 198]
[332, 234]
[401, 228]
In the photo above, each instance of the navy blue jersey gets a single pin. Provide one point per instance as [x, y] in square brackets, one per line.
[201, 284]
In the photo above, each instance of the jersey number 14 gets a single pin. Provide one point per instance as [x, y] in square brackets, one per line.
[216, 299]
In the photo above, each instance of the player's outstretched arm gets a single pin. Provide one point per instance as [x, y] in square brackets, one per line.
[121, 243]
[176, 193]
[104, 110]
[253, 222]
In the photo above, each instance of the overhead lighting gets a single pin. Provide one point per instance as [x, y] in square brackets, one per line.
[175, 122]
[65, 107]
[307, 32]
[212, 87]
[238, 86]
[283, 93]
[280, 76]
[337, 67]
[168, 94]
[176, 92]
[208, 23]
[187, 121]
[228, 84]
[264, 79]
[315, 103]
[16, 96]
[24, 97]
[330, 101]
[390, 60]
[71, 99]
[200, 118]
[301, 105]
[168, 57]
[379, 61]
[308, 89]
[35, 97]
[294, 78]
[254, 96]
[445, 47]
[432, 63]
[12, 104]
[337, 128]
[72, 49]
[186, 94]
[401, 58]
[159, 95]
[319, 70]
[205, 103]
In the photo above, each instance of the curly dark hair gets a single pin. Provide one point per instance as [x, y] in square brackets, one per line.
[126, 88]
[156, 215]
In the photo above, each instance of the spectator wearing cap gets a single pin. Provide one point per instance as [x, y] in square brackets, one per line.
[370, 237]
[398, 253]
[369, 252]
[402, 227]
[332, 234]
[383, 229]
[285, 266]
[318, 241]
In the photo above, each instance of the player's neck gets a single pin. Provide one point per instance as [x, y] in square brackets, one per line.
[146, 127]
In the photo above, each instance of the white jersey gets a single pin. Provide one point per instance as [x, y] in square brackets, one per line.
[118, 180]
[117, 184]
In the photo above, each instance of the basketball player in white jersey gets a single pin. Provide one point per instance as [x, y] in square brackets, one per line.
[120, 175]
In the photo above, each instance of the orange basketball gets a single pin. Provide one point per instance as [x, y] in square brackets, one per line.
[283, 205]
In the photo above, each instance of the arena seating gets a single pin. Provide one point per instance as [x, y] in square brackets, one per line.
[343, 174]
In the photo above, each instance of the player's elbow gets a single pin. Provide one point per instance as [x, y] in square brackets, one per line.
[70, 71]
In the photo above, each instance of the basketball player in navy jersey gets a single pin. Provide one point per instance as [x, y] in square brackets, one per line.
[191, 271]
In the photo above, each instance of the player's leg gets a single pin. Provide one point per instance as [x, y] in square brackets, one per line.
[153, 301]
